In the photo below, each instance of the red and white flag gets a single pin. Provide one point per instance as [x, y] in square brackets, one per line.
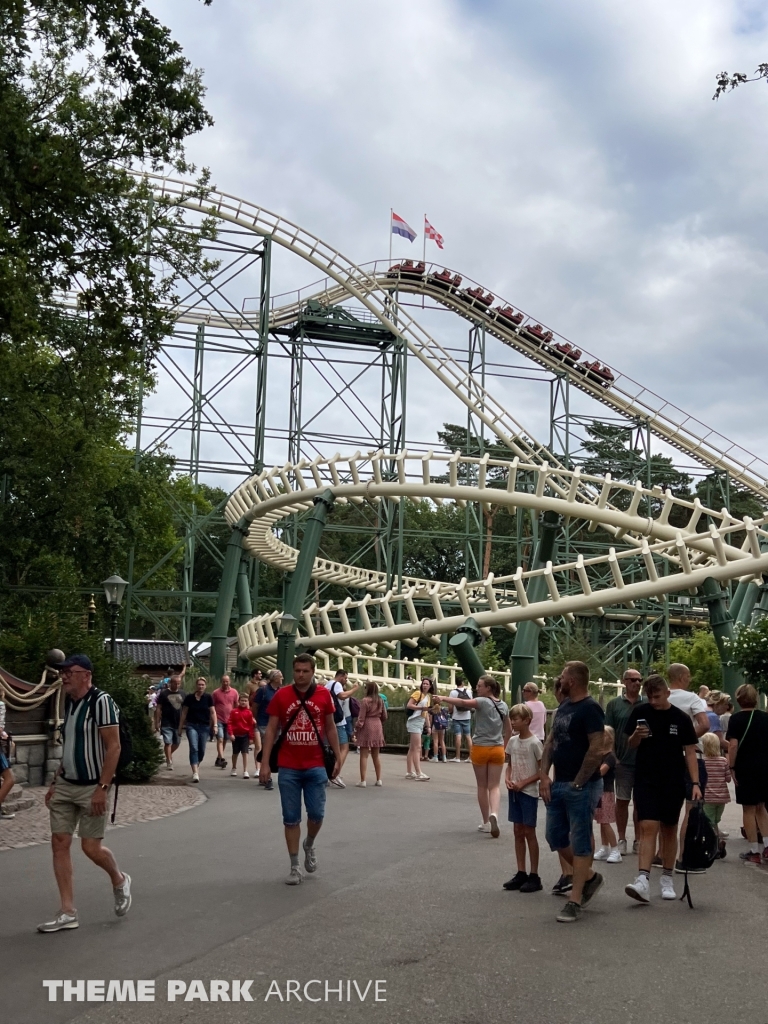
[429, 232]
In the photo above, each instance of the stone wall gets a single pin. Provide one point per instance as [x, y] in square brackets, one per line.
[37, 759]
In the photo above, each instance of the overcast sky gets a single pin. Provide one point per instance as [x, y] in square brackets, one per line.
[569, 153]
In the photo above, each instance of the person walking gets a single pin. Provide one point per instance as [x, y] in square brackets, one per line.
[370, 732]
[605, 812]
[574, 747]
[260, 701]
[492, 733]
[418, 706]
[523, 760]
[78, 796]
[440, 722]
[198, 720]
[461, 720]
[168, 718]
[242, 726]
[338, 687]
[617, 714]
[303, 715]
[225, 698]
[748, 760]
[538, 710]
[716, 795]
[665, 740]
[696, 709]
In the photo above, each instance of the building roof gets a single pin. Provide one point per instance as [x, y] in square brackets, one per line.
[152, 653]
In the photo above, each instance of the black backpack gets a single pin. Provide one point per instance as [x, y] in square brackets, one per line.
[700, 845]
[338, 712]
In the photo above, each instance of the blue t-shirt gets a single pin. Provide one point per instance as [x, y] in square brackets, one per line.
[261, 700]
[715, 725]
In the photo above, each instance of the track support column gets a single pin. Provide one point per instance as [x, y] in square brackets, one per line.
[301, 578]
[525, 653]
[223, 616]
[715, 598]
[462, 644]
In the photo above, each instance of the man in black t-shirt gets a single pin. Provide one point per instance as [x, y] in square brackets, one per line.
[168, 717]
[574, 748]
[665, 740]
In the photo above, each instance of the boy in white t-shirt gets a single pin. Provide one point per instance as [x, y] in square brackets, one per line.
[523, 760]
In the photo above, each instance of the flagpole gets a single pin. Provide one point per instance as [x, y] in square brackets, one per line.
[390, 237]
[424, 249]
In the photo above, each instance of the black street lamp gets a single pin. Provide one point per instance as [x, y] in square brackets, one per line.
[114, 588]
[287, 625]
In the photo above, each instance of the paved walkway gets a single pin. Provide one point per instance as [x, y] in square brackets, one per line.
[135, 803]
[406, 891]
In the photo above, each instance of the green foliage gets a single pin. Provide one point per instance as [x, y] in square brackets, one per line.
[699, 652]
[611, 449]
[23, 650]
[576, 645]
[749, 651]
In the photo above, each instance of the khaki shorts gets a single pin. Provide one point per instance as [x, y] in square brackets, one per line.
[70, 806]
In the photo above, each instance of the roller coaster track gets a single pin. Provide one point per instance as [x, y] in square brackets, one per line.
[691, 556]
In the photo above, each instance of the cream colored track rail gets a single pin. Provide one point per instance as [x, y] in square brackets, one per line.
[641, 542]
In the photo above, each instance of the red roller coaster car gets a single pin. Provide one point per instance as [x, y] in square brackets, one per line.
[567, 352]
[598, 374]
[444, 277]
[509, 314]
[476, 294]
[407, 269]
[539, 333]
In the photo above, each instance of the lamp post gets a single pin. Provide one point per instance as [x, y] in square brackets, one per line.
[114, 588]
[286, 644]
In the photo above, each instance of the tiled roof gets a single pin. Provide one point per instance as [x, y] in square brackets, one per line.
[157, 653]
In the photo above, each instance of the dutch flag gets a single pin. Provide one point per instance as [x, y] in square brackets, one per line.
[399, 227]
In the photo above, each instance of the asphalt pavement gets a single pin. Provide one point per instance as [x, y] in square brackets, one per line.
[407, 894]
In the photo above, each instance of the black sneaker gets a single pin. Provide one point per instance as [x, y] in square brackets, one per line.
[268, 785]
[217, 763]
[563, 885]
[571, 912]
[223, 763]
[656, 863]
[517, 882]
[532, 885]
[591, 888]
[680, 869]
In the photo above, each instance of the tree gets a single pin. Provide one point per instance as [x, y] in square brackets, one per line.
[610, 449]
[748, 650]
[89, 90]
[699, 652]
[726, 82]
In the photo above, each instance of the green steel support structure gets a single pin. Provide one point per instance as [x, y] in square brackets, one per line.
[525, 653]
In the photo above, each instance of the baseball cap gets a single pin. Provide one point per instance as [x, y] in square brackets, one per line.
[80, 660]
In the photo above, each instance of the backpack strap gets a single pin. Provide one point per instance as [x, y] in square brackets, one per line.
[687, 891]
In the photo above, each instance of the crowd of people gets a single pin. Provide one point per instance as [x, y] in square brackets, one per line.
[657, 746]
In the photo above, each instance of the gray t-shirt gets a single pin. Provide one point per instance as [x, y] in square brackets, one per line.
[489, 722]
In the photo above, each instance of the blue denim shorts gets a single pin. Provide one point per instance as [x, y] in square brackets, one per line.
[170, 735]
[341, 729]
[569, 816]
[4, 763]
[523, 808]
[461, 727]
[292, 782]
[222, 731]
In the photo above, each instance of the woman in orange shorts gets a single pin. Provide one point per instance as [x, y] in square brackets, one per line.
[492, 731]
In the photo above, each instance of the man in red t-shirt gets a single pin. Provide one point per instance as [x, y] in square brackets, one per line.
[224, 699]
[300, 758]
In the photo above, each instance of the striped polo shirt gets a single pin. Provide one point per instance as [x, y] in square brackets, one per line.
[83, 746]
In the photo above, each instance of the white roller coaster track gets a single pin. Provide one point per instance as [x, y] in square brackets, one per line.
[691, 556]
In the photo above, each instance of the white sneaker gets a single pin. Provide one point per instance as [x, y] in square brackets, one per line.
[169, 767]
[603, 853]
[455, 760]
[246, 775]
[195, 777]
[639, 890]
[614, 857]
[62, 922]
[422, 777]
[493, 821]
[122, 894]
[296, 877]
[668, 888]
[411, 775]
[339, 782]
[233, 773]
[485, 827]
[622, 847]
[379, 782]
[360, 785]
[310, 857]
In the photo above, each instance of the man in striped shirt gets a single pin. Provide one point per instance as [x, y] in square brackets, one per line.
[78, 794]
